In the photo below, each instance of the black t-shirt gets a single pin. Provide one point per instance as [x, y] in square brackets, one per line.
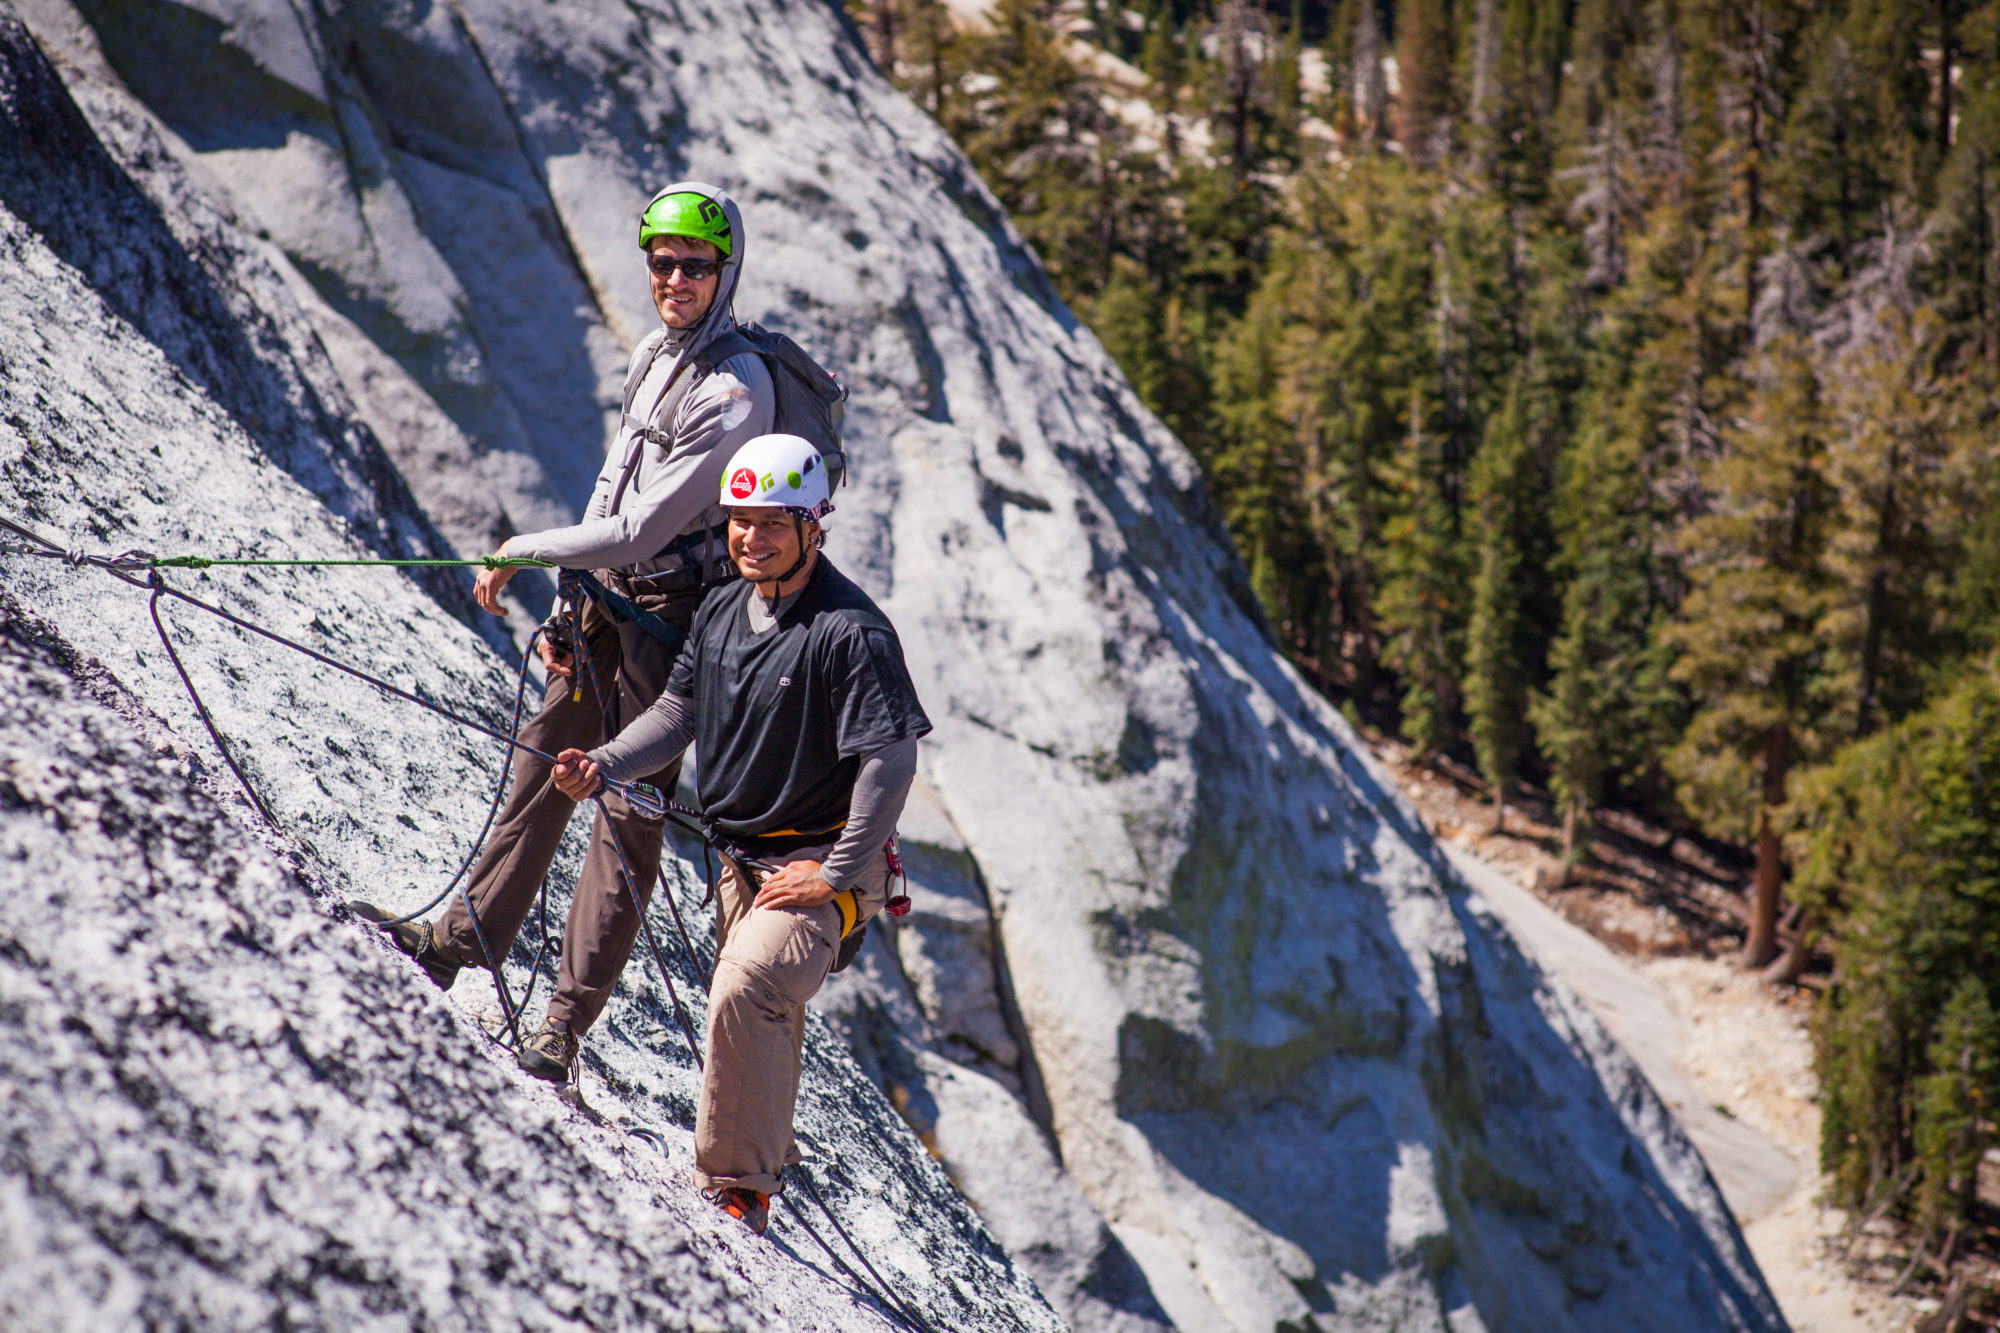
[783, 718]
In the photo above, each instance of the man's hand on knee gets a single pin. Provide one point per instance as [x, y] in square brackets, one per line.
[795, 884]
[575, 776]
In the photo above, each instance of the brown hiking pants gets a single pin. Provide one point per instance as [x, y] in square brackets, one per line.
[772, 960]
[628, 668]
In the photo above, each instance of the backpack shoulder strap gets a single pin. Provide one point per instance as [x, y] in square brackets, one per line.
[718, 350]
[646, 433]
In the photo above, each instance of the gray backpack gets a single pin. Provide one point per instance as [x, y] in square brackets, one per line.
[811, 402]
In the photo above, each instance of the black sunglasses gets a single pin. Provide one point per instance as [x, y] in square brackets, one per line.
[696, 269]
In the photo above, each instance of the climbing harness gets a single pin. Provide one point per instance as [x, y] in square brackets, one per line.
[576, 582]
[140, 569]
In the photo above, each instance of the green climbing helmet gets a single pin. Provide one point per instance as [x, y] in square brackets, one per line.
[686, 213]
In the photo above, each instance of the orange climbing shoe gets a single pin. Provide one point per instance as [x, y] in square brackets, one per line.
[749, 1207]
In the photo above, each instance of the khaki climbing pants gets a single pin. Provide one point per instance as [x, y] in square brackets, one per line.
[772, 960]
[629, 669]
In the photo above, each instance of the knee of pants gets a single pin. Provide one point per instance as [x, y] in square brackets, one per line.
[782, 949]
[742, 992]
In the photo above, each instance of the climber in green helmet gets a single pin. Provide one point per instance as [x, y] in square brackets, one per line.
[654, 534]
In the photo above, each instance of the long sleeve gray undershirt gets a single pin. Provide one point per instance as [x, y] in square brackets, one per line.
[880, 789]
[655, 739]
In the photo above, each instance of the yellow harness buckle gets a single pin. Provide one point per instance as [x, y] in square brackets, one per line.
[850, 911]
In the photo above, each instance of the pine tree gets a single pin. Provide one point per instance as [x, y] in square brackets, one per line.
[1424, 60]
[1610, 711]
[1067, 169]
[1514, 56]
[1422, 606]
[1964, 241]
[928, 54]
[1897, 842]
[1460, 363]
[1619, 123]
[1506, 488]
[1952, 1130]
[1147, 331]
[1609, 708]
[1338, 326]
[1746, 635]
[1859, 129]
[1889, 543]
[1289, 110]
[1165, 65]
[1243, 83]
[1268, 487]
[1738, 69]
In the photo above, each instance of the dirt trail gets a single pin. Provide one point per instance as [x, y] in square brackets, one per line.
[1732, 1058]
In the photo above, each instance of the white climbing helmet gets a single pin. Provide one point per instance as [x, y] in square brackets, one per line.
[778, 472]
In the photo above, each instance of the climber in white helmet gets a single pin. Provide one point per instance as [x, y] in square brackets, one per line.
[792, 689]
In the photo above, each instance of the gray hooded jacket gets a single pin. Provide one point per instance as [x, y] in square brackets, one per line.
[674, 486]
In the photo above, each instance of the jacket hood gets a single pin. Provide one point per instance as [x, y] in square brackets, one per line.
[721, 316]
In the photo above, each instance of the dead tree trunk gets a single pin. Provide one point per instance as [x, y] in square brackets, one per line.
[1791, 964]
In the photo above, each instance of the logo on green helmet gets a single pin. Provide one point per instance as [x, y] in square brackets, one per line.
[688, 214]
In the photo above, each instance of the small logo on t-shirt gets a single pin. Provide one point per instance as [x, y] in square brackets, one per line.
[784, 680]
[742, 483]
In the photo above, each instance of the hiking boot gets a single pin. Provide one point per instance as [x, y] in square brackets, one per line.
[413, 938]
[549, 1053]
[749, 1207]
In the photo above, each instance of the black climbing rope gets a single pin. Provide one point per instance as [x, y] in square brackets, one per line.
[641, 796]
[541, 952]
[499, 790]
[201, 709]
[884, 1294]
[508, 1010]
[674, 906]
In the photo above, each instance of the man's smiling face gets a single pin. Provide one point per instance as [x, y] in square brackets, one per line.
[682, 300]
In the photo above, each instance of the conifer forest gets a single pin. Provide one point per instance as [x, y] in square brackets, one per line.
[1605, 393]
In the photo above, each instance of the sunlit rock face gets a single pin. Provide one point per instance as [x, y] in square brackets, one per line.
[1189, 1006]
[223, 1103]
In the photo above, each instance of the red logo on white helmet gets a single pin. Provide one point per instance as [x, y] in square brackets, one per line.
[742, 484]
